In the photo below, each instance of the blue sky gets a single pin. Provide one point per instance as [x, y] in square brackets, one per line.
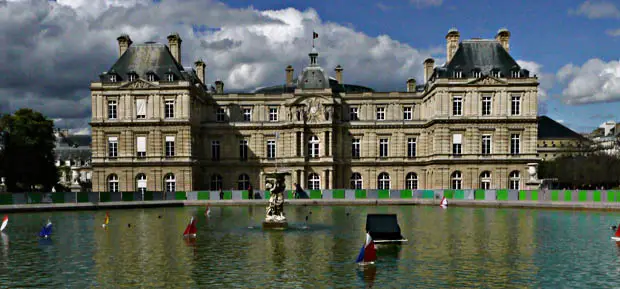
[550, 33]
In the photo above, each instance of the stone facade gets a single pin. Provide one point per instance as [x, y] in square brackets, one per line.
[327, 134]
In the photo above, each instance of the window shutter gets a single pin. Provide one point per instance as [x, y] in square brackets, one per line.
[141, 144]
[170, 139]
[457, 138]
[141, 106]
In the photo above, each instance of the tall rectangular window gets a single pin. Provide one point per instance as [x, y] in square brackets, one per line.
[273, 114]
[327, 144]
[515, 107]
[383, 147]
[515, 144]
[112, 109]
[298, 144]
[381, 113]
[220, 114]
[407, 113]
[354, 113]
[486, 105]
[243, 149]
[113, 147]
[215, 150]
[247, 114]
[271, 149]
[141, 146]
[141, 108]
[355, 148]
[411, 147]
[169, 109]
[457, 106]
[486, 144]
[169, 146]
[457, 144]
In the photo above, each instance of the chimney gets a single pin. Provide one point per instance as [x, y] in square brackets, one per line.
[339, 70]
[289, 75]
[429, 64]
[200, 70]
[219, 87]
[174, 43]
[452, 43]
[503, 37]
[411, 85]
[123, 44]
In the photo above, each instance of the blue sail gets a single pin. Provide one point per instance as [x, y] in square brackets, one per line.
[360, 257]
[46, 231]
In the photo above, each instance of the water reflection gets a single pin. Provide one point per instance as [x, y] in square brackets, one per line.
[368, 274]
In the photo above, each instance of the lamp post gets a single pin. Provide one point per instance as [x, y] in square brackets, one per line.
[4, 137]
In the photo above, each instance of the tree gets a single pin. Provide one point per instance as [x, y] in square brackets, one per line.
[29, 156]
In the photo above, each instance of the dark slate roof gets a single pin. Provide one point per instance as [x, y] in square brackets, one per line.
[335, 86]
[551, 129]
[73, 147]
[148, 57]
[482, 55]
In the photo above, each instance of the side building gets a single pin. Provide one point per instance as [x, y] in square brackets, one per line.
[556, 140]
[471, 123]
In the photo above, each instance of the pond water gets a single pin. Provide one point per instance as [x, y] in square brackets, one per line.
[457, 247]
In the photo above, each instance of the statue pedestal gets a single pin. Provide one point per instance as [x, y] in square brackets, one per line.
[272, 225]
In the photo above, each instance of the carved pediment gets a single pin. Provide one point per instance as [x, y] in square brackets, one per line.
[138, 84]
[487, 80]
[311, 109]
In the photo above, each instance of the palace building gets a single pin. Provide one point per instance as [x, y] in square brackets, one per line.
[159, 126]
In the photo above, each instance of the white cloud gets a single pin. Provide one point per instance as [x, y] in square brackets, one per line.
[560, 121]
[52, 50]
[613, 32]
[383, 7]
[426, 3]
[596, 10]
[546, 80]
[595, 81]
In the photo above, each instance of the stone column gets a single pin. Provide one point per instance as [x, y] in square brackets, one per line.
[302, 180]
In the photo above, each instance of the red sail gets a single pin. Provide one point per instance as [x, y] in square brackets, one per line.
[618, 232]
[370, 254]
[187, 229]
[192, 227]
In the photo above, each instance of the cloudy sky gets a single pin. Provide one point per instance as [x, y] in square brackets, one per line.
[52, 49]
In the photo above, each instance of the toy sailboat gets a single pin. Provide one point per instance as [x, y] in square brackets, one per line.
[106, 221]
[368, 254]
[190, 230]
[5, 222]
[208, 211]
[616, 236]
[46, 231]
[444, 203]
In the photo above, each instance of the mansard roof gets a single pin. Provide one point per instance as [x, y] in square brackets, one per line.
[149, 57]
[483, 55]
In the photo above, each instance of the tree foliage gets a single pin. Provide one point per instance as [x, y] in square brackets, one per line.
[29, 154]
[583, 172]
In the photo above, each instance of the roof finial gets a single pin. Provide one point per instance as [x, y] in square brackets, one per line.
[314, 36]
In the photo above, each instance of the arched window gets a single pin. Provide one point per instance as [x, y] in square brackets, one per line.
[411, 182]
[456, 180]
[244, 182]
[514, 180]
[113, 183]
[170, 183]
[356, 181]
[313, 147]
[485, 180]
[383, 181]
[141, 183]
[216, 182]
[314, 182]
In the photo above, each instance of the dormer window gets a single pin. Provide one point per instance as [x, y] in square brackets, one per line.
[132, 76]
[112, 77]
[150, 76]
[170, 77]
[476, 73]
[516, 74]
[458, 74]
[496, 73]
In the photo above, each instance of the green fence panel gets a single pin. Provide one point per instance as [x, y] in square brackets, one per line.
[105, 197]
[203, 196]
[360, 194]
[534, 195]
[596, 196]
[583, 196]
[555, 196]
[338, 194]
[267, 195]
[245, 195]
[35, 197]
[617, 193]
[6, 199]
[459, 194]
[428, 194]
[180, 196]
[611, 196]
[479, 194]
[568, 196]
[227, 195]
[522, 195]
[82, 197]
[449, 194]
[406, 194]
[289, 194]
[148, 196]
[58, 198]
[127, 196]
[316, 194]
[383, 194]
[502, 195]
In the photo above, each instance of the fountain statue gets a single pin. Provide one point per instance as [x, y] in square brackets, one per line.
[275, 218]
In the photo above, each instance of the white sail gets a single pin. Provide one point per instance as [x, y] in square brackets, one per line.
[444, 202]
[5, 222]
